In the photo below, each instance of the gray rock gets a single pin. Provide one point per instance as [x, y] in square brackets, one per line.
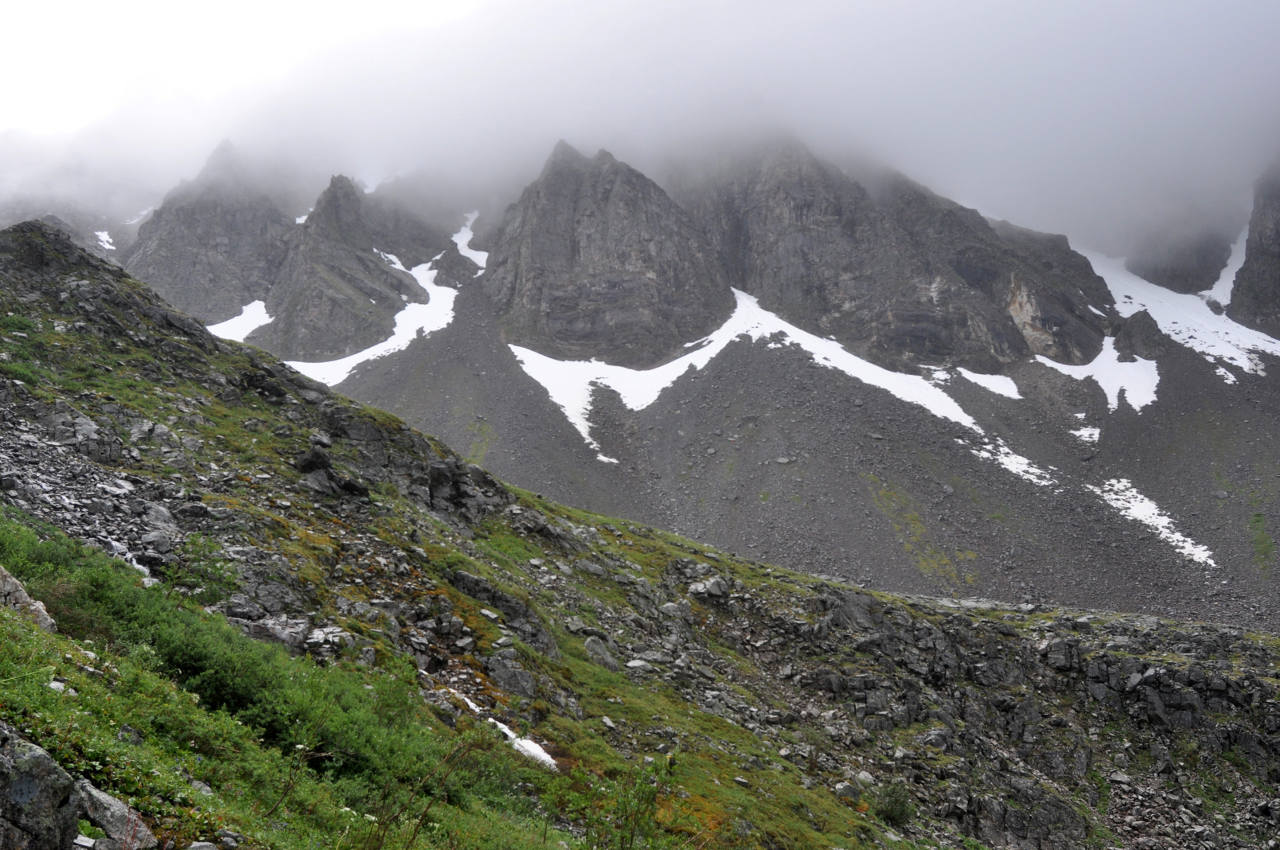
[37, 807]
[596, 260]
[124, 827]
[598, 652]
[14, 595]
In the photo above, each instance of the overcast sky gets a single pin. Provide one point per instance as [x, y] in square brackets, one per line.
[1092, 118]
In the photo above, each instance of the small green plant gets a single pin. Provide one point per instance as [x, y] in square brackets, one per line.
[893, 805]
[1264, 547]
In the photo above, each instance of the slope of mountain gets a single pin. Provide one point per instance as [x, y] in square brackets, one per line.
[1128, 469]
[780, 710]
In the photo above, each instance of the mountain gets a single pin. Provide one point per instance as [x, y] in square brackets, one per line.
[1053, 428]
[595, 260]
[836, 368]
[685, 696]
[898, 272]
[1254, 299]
[333, 279]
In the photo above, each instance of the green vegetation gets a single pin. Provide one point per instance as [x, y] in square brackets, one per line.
[931, 559]
[1264, 547]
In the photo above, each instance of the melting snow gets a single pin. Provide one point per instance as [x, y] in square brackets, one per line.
[463, 240]
[996, 450]
[1187, 318]
[1137, 380]
[1121, 494]
[1087, 435]
[412, 320]
[998, 384]
[252, 316]
[302, 219]
[104, 239]
[570, 382]
[525, 746]
[1221, 291]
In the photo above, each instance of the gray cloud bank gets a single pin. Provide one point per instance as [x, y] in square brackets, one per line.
[1102, 120]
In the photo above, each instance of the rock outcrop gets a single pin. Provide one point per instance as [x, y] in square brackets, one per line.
[38, 809]
[1255, 299]
[891, 269]
[215, 244]
[595, 260]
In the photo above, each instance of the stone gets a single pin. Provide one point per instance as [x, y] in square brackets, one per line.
[37, 808]
[124, 827]
[14, 595]
[598, 652]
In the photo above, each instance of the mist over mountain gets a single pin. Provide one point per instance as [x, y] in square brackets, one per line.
[1109, 124]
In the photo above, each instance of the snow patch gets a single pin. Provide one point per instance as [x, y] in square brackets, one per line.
[570, 383]
[1187, 318]
[1123, 496]
[302, 219]
[1087, 435]
[1221, 290]
[524, 746]
[104, 239]
[463, 240]
[412, 320]
[252, 316]
[998, 384]
[140, 216]
[1137, 380]
[997, 450]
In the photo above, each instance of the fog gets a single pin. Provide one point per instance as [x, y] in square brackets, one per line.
[1104, 121]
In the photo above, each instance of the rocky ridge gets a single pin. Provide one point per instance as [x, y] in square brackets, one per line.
[595, 260]
[1254, 297]
[1011, 726]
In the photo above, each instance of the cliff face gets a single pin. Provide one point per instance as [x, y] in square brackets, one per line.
[1255, 299]
[595, 260]
[213, 246]
[896, 270]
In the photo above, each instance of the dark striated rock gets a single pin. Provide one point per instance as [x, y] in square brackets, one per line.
[1255, 299]
[1140, 336]
[332, 293]
[894, 270]
[595, 260]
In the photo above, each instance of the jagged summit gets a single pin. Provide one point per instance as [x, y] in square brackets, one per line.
[595, 260]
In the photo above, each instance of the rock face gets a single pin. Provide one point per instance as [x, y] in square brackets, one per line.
[333, 294]
[1255, 300]
[222, 241]
[895, 271]
[38, 810]
[595, 260]
[214, 245]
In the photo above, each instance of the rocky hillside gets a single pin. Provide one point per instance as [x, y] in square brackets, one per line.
[685, 697]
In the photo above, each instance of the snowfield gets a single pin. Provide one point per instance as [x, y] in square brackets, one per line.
[463, 240]
[252, 316]
[1137, 380]
[570, 383]
[1188, 318]
[1124, 497]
